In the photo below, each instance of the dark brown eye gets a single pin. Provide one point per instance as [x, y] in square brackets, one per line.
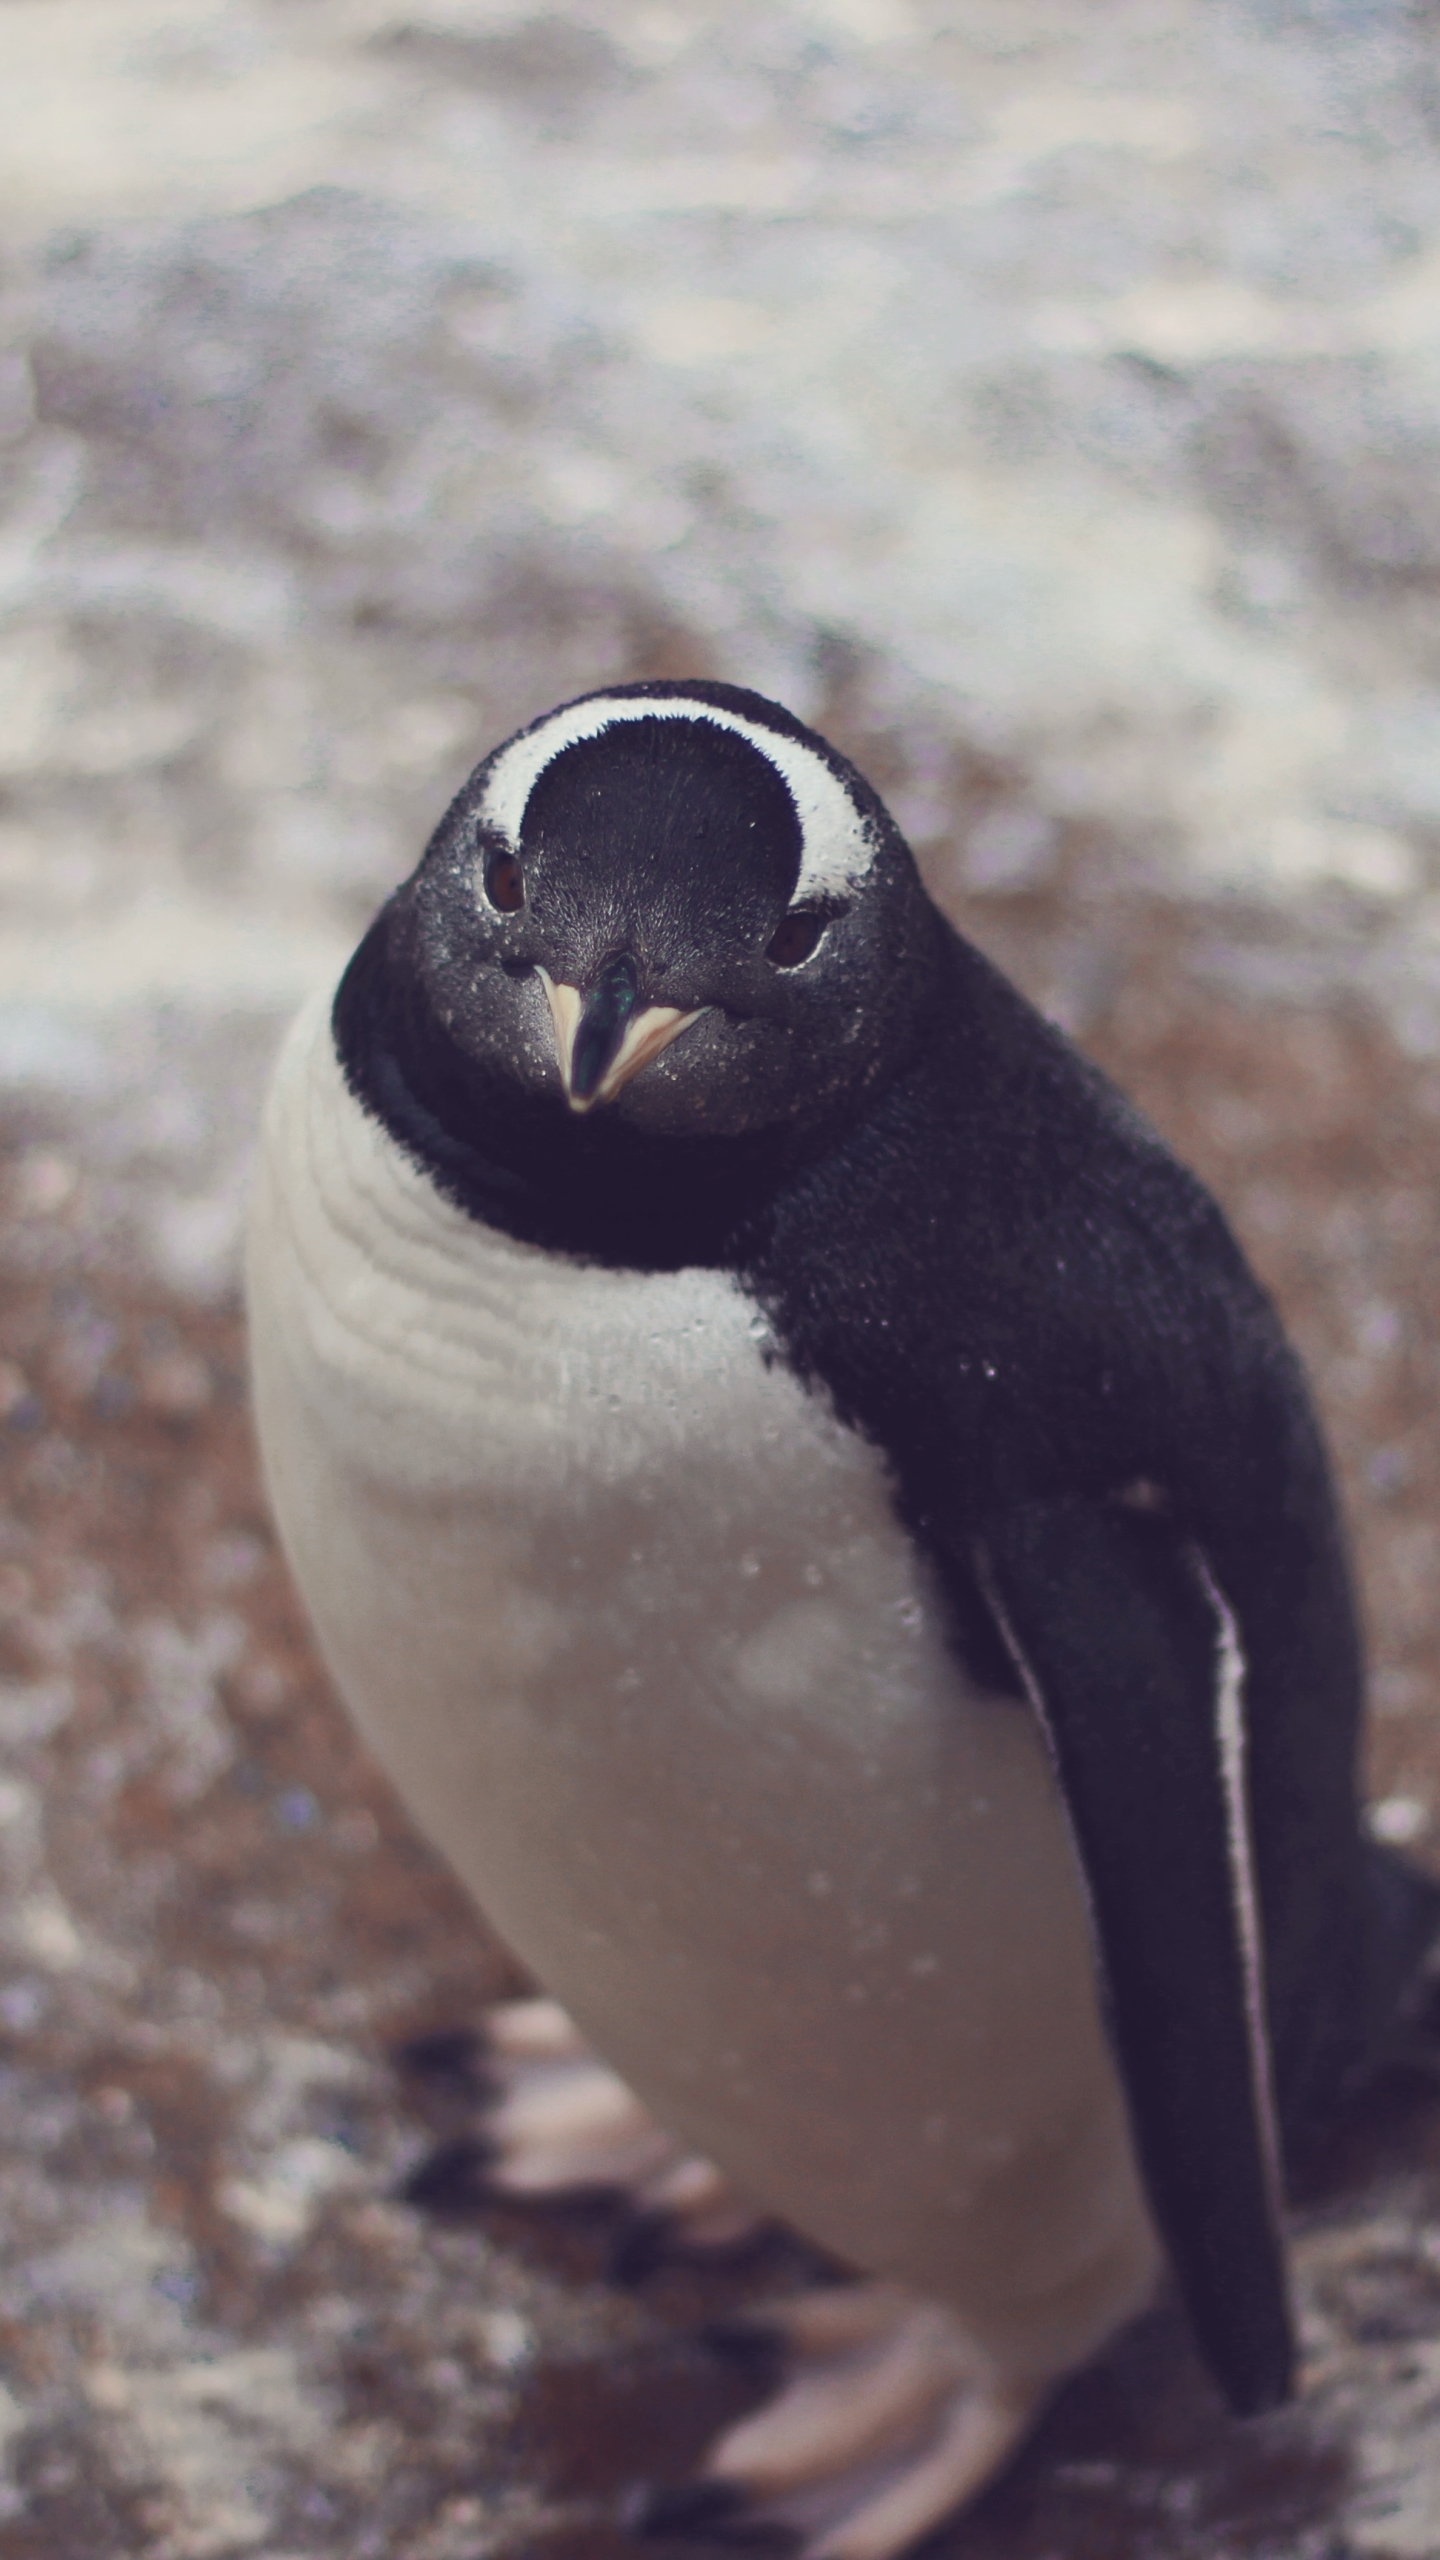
[796, 936]
[504, 883]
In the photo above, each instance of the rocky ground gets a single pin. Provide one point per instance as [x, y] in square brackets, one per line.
[1047, 401]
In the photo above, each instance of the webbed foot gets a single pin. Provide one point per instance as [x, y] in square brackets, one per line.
[883, 2420]
[554, 2121]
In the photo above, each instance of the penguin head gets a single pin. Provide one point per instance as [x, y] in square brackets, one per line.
[673, 907]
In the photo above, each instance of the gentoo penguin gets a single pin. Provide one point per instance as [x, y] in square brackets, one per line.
[803, 1495]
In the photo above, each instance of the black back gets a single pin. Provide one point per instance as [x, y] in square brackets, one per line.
[1037, 1302]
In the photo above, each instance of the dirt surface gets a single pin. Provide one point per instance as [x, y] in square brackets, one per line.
[219, 2330]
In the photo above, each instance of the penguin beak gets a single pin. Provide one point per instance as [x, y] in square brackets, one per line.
[605, 1035]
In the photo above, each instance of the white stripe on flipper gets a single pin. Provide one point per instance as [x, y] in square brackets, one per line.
[1034, 1696]
[837, 844]
[1232, 1748]
[1230, 1740]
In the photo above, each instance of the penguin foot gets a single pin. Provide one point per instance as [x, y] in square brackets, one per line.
[885, 2420]
[554, 2121]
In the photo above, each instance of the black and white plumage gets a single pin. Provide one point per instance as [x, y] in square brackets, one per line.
[750, 1410]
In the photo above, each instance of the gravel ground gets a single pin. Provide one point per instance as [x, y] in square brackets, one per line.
[1046, 401]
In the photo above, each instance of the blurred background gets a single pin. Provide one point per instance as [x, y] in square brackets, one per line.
[1044, 400]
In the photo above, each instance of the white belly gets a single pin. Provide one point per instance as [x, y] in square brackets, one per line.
[629, 1619]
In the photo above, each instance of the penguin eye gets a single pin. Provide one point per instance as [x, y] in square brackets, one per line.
[796, 936]
[504, 883]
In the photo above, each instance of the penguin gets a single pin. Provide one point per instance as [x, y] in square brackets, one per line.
[803, 1495]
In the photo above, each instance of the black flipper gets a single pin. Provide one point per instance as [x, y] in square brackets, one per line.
[1131, 1659]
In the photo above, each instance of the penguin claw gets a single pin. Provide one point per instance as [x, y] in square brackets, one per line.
[758, 2349]
[712, 2511]
[640, 2246]
[650, 2237]
[451, 2060]
[454, 2178]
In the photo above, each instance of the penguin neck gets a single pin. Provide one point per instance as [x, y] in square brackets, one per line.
[525, 1164]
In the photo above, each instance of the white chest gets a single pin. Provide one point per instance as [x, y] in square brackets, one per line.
[631, 1621]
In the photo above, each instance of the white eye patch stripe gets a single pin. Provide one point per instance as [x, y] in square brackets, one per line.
[837, 848]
